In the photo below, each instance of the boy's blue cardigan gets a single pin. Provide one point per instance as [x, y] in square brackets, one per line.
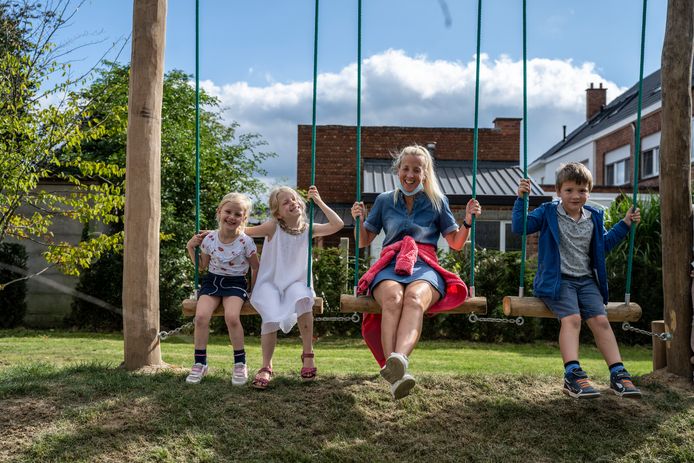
[544, 219]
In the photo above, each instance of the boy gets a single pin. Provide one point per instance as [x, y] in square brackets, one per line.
[571, 276]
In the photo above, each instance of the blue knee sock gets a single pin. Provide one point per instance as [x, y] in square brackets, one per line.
[240, 356]
[615, 367]
[571, 366]
[201, 356]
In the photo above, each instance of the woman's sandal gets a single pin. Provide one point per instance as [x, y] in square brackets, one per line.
[308, 374]
[262, 383]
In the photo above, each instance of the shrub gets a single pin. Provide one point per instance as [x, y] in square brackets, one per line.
[12, 298]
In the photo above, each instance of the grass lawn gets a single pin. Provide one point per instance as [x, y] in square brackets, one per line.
[63, 398]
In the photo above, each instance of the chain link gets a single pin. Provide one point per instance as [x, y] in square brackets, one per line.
[474, 318]
[175, 332]
[354, 318]
[662, 336]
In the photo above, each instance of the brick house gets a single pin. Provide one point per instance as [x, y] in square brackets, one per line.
[605, 142]
[497, 178]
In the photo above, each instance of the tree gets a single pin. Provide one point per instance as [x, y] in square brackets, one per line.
[40, 142]
[675, 182]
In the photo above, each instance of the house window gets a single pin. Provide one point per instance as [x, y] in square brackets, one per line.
[617, 173]
[650, 162]
[490, 234]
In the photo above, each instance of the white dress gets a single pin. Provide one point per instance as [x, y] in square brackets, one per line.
[280, 294]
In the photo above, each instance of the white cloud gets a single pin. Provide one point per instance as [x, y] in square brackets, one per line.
[403, 90]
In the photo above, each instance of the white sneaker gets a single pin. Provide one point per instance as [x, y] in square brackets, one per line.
[240, 375]
[396, 367]
[196, 373]
[402, 387]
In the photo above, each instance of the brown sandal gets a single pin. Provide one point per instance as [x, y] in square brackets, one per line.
[308, 374]
[259, 382]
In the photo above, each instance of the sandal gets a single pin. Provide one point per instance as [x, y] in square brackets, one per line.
[262, 383]
[308, 373]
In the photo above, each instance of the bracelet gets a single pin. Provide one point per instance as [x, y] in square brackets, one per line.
[466, 225]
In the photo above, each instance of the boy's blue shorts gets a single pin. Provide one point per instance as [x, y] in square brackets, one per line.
[577, 296]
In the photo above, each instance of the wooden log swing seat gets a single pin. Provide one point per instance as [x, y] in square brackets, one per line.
[189, 306]
[515, 306]
[367, 304]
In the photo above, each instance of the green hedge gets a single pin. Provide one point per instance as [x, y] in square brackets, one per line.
[13, 297]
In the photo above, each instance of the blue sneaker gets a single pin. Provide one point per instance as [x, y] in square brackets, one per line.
[576, 385]
[621, 384]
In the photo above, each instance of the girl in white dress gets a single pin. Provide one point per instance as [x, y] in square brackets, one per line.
[281, 295]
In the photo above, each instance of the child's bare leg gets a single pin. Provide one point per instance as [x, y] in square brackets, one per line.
[232, 317]
[203, 314]
[268, 341]
[605, 339]
[419, 296]
[389, 295]
[569, 336]
[306, 330]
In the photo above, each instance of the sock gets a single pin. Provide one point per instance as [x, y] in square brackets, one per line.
[571, 366]
[201, 356]
[615, 367]
[240, 356]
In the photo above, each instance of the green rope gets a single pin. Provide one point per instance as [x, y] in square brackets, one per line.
[357, 221]
[524, 240]
[197, 137]
[637, 154]
[313, 145]
[475, 146]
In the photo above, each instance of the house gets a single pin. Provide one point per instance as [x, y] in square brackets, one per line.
[605, 142]
[452, 148]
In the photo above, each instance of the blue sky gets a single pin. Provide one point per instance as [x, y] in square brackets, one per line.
[256, 56]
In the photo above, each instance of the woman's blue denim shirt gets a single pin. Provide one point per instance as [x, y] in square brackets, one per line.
[424, 224]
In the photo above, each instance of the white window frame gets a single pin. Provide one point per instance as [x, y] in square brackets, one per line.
[656, 162]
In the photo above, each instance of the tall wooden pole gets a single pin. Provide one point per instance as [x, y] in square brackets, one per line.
[142, 192]
[675, 182]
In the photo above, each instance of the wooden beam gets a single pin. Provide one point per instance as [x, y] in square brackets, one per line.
[189, 306]
[367, 304]
[515, 306]
[142, 187]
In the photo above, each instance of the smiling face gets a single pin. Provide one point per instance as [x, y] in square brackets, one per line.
[232, 216]
[573, 196]
[289, 206]
[411, 172]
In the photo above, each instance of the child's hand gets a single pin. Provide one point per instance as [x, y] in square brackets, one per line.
[472, 207]
[523, 187]
[196, 240]
[313, 194]
[358, 210]
[632, 216]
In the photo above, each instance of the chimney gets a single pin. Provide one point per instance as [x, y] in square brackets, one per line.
[564, 131]
[595, 100]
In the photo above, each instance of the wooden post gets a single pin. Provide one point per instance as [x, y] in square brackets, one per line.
[344, 255]
[675, 182]
[142, 192]
[659, 353]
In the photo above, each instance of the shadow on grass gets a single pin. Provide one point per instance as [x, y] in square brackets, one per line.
[95, 413]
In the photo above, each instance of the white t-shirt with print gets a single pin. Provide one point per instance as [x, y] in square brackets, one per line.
[228, 258]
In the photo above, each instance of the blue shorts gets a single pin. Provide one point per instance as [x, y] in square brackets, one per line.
[224, 286]
[577, 296]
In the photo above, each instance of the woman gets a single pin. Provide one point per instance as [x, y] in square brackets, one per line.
[407, 281]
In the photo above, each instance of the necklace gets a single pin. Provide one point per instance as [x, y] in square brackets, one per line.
[292, 231]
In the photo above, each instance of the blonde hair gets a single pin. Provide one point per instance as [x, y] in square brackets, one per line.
[430, 182]
[240, 199]
[574, 172]
[274, 203]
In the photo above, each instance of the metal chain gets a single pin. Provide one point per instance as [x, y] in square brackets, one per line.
[175, 332]
[354, 318]
[662, 336]
[474, 318]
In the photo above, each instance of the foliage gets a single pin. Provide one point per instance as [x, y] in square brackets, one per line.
[12, 298]
[229, 161]
[41, 133]
[647, 271]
